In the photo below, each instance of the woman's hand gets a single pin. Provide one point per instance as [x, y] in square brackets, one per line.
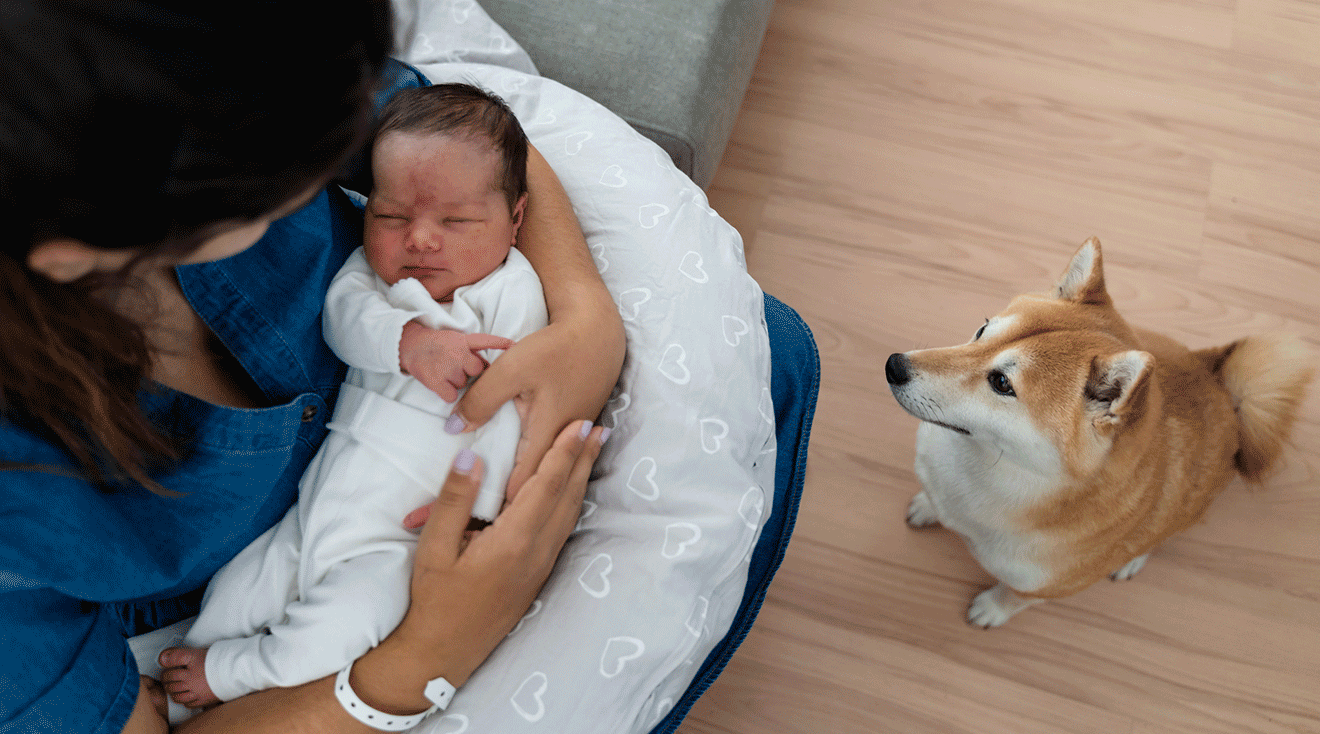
[469, 589]
[150, 713]
[554, 376]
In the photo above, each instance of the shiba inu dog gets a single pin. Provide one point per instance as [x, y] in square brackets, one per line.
[1064, 445]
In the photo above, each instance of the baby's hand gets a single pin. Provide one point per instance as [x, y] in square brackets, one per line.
[444, 360]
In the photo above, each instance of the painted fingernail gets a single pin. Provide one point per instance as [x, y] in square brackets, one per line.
[605, 434]
[455, 424]
[465, 461]
[586, 428]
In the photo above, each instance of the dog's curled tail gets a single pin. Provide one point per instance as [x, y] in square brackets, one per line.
[1267, 377]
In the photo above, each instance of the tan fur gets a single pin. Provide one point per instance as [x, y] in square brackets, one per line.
[1135, 435]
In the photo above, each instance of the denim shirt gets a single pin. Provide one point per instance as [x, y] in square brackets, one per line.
[83, 569]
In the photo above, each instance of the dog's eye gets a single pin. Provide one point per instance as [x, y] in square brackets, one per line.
[981, 330]
[1000, 384]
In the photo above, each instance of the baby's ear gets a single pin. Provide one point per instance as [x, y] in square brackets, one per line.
[1084, 280]
[517, 215]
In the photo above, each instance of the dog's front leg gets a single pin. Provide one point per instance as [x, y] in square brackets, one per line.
[921, 511]
[997, 605]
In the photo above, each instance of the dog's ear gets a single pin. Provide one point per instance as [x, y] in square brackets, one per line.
[1084, 280]
[1118, 388]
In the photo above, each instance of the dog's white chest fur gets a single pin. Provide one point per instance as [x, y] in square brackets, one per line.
[976, 492]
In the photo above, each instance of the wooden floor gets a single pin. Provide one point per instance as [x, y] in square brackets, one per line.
[900, 169]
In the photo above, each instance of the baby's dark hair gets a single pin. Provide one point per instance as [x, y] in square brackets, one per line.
[463, 109]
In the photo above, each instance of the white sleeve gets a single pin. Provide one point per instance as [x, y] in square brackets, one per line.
[516, 308]
[359, 323]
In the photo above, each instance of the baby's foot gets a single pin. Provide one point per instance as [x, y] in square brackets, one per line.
[184, 676]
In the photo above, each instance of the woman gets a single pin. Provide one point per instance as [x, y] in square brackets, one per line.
[163, 379]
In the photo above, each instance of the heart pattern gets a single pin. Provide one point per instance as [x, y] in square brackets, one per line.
[662, 709]
[691, 266]
[673, 365]
[766, 406]
[573, 143]
[630, 302]
[598, 254]
[451, 724]
[613, 177]
[713, 433]
[679, 536]
[529, 699]
[513, 83]
[751, 507]
[461, 10]
[697, 620]
[622, 401]
[734, 330]
[532, 612]
[588, 509]
[644, 485]
[618, 651]
[649, 215]
[595, 578]
[501, 44]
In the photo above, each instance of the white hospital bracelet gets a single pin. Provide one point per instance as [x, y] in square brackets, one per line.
[438, 691]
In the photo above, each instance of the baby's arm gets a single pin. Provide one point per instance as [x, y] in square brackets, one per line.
[359, 324]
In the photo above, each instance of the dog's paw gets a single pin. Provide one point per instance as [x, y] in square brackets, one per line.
[921, 513]
[995, 606]
[1131, 569]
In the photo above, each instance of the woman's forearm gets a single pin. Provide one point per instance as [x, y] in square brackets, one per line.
[552, 240]
[307, 709]
[388, 677]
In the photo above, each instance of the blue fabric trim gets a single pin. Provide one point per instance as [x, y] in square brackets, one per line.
[794, 385]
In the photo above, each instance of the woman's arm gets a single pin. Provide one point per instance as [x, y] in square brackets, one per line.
[565, 371]
[468, 592]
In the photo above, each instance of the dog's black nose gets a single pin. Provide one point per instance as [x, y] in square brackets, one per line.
[896, 369]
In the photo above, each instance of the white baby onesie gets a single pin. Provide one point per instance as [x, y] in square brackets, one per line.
[330, 580]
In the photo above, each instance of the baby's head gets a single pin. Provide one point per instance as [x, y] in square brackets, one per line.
[449, 164]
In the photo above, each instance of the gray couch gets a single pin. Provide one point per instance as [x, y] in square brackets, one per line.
[676, 70]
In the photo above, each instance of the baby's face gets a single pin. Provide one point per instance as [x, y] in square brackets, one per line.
[435, 213]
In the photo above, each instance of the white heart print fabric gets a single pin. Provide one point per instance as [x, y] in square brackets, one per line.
[654, 573]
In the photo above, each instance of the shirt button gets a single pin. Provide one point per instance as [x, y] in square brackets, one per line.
[309, 413]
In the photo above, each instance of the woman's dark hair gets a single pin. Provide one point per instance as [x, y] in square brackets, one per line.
[463, 109]
[133, 125]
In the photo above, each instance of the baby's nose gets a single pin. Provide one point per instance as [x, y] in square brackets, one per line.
[426, 240]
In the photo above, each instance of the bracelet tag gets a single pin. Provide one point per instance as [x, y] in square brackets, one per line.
[358, 709]
[439, 692]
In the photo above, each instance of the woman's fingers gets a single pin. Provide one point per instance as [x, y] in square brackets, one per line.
[554, 492]
[442, 536]
[478, 342]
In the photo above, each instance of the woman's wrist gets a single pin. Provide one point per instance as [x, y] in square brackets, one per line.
[392, 678]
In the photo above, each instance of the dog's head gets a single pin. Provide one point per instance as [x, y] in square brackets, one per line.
[1049, 382]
